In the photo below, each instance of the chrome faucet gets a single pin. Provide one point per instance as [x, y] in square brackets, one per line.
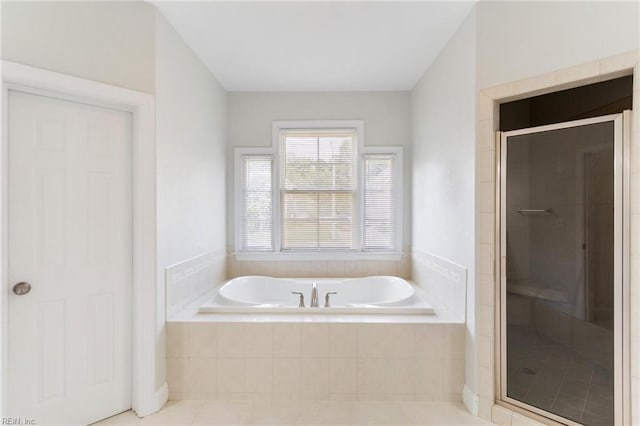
[314, 295]
[327, 304]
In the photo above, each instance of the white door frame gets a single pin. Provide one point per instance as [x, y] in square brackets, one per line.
[146, 399]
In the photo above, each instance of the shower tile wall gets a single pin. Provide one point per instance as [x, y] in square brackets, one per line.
[545, 251]
[518, 197]
[322, 361]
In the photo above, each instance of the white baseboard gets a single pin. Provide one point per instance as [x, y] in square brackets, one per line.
[155, 403]
[470, 400]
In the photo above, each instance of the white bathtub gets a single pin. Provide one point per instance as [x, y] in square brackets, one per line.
[381, 294]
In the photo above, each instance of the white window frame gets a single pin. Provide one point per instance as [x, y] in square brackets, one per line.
[397, 152]
[238, 190]
[361, 150]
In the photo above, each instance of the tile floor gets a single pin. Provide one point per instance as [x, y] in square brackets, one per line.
[551, 376]
[190, 412]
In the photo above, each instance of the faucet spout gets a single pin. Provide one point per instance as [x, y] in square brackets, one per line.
[314, 295]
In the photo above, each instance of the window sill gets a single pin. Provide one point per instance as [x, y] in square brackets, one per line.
[302, 256]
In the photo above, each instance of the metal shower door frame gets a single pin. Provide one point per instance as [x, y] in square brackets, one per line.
[621, 129]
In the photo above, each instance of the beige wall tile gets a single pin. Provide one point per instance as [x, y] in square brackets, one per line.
[429, 378]
[203, 338]
[537, 85]
[519, 420]
[400, 375]
[201, 376]
[231, 375]
[343, 340]
[286, 396]
[586, 71]
[335, 268]
[485, 200]
[177, 396]
[314, 341]
[485, 289]
[500, 416]
[485, 320]
[318, 268]
[231, 340]
[286, 340]
[259, 340]
[484, 107]
[259, 375]
[372, 396]
[453, 377]
[485, 382]
[371, 376]
[502, 91]
[486, 228]
[388, 267]
[484, 258]
[619, 62]
[400, 341]
[430, 341]
[343, 376]
[177, 340]
[486, 166]
[372, 340]
[486, 137]
[258, 396]
[343, 396]
[286, 375]
[177, 375]
[455, 342]
[314, 377]
[485, 351]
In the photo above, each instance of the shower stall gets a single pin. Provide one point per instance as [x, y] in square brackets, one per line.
[562, 275]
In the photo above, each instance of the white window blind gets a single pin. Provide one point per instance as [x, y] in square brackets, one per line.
[256, 203]
[318, 189]
[380, 205]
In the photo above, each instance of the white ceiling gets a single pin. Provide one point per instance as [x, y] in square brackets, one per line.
[316, 46]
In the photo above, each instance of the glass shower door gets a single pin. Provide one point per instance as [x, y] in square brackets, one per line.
[561, 286]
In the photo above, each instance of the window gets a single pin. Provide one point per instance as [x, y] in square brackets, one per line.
[380, 206]
[256, 203]
[318, 191]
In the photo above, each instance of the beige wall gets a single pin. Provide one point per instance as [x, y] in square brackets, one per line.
[109, 42]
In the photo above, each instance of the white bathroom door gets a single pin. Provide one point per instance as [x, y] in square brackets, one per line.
[70, 240]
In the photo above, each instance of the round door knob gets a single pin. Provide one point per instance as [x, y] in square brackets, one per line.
[22, 288]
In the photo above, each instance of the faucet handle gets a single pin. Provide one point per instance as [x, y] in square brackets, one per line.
[326, 298]
[299, 293]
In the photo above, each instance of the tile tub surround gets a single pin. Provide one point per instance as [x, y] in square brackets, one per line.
[321, 268]
[315, 361]
[187, 281]
[444, 282]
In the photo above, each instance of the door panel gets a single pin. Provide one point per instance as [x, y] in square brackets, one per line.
[561, 284]
[70, 237]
